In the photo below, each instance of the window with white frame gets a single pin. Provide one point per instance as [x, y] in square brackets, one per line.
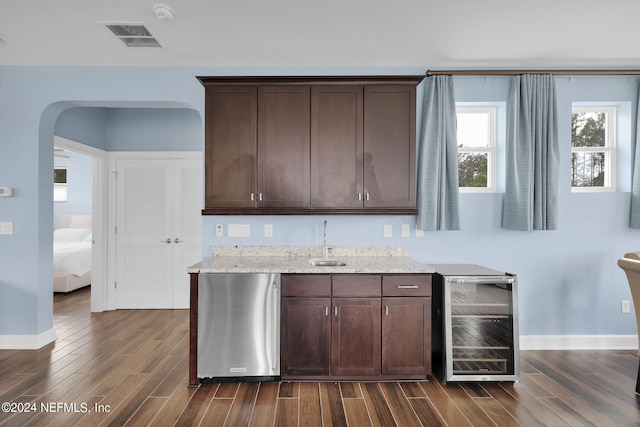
[593, 144]
[476, 133]
[59, 184]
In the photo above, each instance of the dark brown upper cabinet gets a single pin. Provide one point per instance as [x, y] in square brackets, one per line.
[337, 150]
[283, 146]
[231, 146]
[310, 145]
[390, 146]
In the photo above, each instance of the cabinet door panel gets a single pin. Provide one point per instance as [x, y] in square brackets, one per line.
[336, 146]
[306, 336]
[406, 336]
[389, 146]
[355, 331]
[283, 146]
[230, 145]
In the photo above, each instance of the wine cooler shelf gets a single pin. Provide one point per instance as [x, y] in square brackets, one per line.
[475, 327]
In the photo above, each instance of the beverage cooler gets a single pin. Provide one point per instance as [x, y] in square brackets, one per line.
[475, 324]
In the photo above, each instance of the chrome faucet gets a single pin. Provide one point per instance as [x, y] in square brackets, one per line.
[325, 249]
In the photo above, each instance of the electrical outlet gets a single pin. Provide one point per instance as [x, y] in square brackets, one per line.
[268, 230]
[406, 231]
[388, 230]
[419, 233]
[625, 306]
[6, 228]
[219, 230]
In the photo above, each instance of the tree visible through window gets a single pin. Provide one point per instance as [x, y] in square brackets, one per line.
[476, 134]
[592, 148]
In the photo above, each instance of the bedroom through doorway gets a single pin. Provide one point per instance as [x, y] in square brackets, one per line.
[77, 223]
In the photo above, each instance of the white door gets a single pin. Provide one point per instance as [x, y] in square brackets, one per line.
[187, 225]
[158, 231]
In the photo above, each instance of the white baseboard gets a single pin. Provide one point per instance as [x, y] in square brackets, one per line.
[527, 342]
[27, 342]
[578, 342]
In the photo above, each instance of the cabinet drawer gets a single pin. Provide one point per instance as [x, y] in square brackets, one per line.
[306, 285]
[402, 285]
[356, 285]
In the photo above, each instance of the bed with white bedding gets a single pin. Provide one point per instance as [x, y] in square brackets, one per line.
[72, 244]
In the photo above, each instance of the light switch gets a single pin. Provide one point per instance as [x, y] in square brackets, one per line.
[268, 230]
[388, 230]
[406, 230]
[6, 228]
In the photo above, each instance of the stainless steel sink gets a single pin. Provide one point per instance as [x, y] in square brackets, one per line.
[320, 262]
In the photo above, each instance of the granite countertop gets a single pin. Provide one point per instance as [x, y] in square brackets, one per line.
[295, 259]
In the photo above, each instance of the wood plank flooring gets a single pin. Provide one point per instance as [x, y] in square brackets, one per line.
[129, 367]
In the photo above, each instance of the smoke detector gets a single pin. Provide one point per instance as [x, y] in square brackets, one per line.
[163, 11]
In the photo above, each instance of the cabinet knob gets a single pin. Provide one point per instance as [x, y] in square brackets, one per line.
[167, 240]
[177, 240]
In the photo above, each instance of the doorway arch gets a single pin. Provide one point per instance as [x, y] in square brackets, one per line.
[99, 149]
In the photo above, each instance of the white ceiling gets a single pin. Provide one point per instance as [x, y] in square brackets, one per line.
[329, 33]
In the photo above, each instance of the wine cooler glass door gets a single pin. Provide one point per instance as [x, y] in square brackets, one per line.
[481, 317]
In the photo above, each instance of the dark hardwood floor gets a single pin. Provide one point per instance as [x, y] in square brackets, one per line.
[129, 367]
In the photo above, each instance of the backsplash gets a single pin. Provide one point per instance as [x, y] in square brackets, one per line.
[307, 251]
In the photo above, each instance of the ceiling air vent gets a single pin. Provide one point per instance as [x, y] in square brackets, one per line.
[133, 35]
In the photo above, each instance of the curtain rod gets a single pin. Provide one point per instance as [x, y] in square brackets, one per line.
[519, 72]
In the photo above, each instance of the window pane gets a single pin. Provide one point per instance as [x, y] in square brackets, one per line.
[588, 129]
[59, 192]
[472, 170]
[473, 129]
[59, 175]
[587, 169]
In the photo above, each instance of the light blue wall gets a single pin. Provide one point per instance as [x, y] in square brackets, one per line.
[154, 129]
[84, 124]
[133, 128]
[569, 282]
[31, 100]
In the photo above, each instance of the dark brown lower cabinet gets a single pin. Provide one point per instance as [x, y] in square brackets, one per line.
[306, 336]
[406, 336]
[355, 337]
[355, 326]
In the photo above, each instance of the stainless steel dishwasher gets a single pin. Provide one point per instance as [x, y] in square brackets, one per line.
[238, 325]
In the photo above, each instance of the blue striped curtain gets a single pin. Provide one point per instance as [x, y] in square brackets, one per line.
[635, 188]
[438, 158]
[531, 191]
